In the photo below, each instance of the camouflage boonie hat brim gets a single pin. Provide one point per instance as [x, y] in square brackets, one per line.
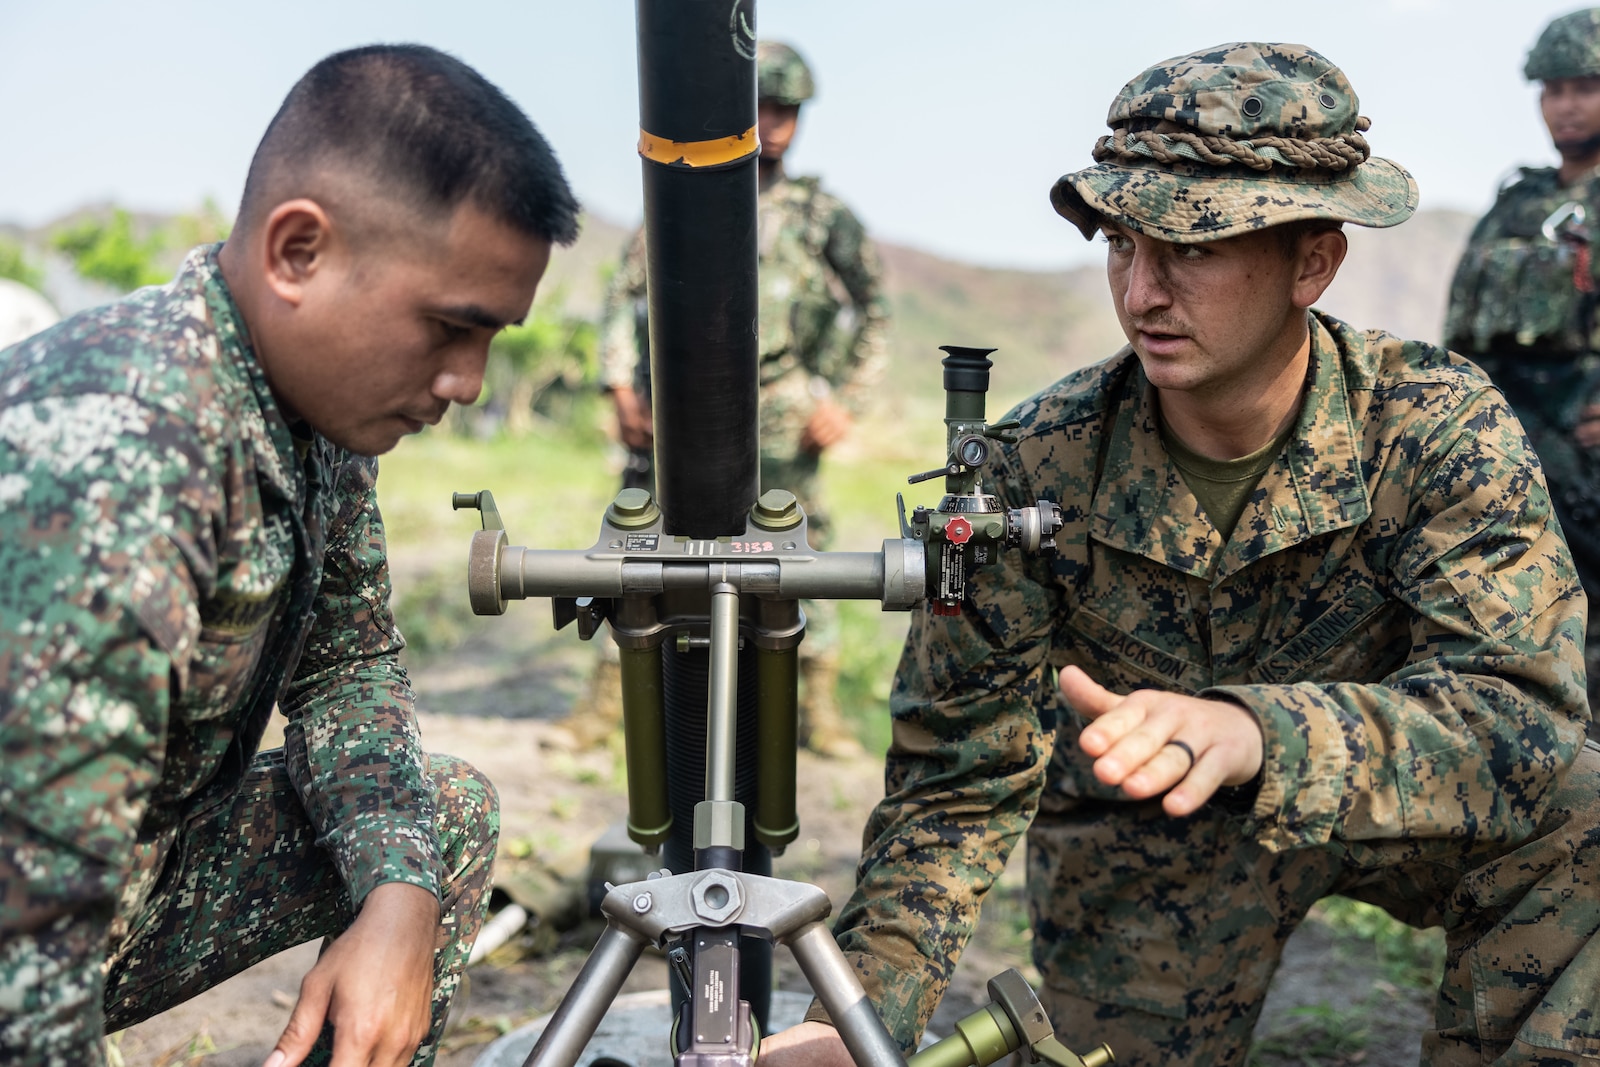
[1233, 139]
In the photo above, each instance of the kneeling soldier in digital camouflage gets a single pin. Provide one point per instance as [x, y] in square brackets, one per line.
[189, 535]
[1313, 629]
[1523, 300]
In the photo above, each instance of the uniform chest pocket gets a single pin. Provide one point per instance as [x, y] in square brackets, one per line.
[236, 618]
[224, 661]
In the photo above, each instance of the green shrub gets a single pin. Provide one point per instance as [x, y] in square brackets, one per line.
[14, 264]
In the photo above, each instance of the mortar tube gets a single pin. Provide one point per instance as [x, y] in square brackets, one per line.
[699, 151]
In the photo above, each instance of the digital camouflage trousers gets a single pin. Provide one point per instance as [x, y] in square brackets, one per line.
[1159, 936]
[250, 882]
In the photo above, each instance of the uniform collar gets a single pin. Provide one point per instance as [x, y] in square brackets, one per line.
[1142, 504]
[262, 422]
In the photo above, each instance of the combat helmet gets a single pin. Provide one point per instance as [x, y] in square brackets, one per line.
[1232, 139]
[1568, 48]
[781, 74]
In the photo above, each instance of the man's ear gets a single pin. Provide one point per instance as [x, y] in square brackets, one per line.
[297, 239]
[1319, 256]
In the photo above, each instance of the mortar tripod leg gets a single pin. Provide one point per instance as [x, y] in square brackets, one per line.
[840, 992]
[588, 999]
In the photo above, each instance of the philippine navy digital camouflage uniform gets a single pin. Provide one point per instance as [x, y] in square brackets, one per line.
[1522, 306]
[1395, 606]
[174, 561]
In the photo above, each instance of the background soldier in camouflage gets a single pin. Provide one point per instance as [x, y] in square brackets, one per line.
[189, 535]
[1522, 303]
[1313, 629]
[823, 319]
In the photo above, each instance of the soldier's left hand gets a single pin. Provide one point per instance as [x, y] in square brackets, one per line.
[828, 425]
[1131, 740]
[1588, 431]
[374, 983]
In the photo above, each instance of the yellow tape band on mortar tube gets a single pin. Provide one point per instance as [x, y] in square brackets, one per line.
[699, 153]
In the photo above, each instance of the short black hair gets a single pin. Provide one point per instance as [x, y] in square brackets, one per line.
[425, 124]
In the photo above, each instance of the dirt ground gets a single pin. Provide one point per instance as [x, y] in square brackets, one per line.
[498, 702]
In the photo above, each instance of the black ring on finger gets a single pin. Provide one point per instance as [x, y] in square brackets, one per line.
[1186, 749]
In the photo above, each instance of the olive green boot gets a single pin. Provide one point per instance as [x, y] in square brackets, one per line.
[822, 726]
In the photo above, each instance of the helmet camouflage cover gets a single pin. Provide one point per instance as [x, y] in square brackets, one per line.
[781, 74]
[1232, 139]
[1568, 48]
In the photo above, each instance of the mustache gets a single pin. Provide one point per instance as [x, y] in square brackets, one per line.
[1161, 324]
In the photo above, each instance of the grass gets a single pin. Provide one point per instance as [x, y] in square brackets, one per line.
[1405, 957]
[550, 486]
[1321, 1036]
[1388, 962]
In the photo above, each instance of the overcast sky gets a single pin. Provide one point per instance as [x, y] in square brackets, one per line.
[942, 123]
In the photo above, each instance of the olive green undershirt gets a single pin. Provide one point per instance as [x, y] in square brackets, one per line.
[1223, 486]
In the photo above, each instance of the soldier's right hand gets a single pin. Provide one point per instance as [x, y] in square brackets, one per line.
[1150, 742]
[374, 984]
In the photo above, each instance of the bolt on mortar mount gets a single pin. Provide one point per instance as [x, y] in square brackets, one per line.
[707, 631]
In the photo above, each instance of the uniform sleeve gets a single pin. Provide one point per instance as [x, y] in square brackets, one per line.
[855, 363]
[1469, 735]
[964, 772]
[620, 356]
[352, 746]
[104, 539]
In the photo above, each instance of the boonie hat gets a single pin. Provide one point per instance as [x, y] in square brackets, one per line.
[1569, 47]
[1232, 139]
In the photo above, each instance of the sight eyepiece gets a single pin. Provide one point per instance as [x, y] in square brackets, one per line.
[966, 370]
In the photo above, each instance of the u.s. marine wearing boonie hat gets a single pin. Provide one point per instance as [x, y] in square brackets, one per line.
[1232, 139]
[1393, 607]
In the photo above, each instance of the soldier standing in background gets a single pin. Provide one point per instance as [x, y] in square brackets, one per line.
[823, 320]
[1523, 300]
[1312, 630]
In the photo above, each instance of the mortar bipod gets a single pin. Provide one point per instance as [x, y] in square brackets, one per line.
[707, 910]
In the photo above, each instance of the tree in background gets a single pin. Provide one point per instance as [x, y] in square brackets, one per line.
[542, 368]
[14, 264]
[109, 250]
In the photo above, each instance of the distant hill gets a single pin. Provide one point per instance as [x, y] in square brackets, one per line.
[1047, 323]
[1399, 279]
[1043, 323]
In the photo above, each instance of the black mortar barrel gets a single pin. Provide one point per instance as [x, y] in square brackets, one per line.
[697, 141]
